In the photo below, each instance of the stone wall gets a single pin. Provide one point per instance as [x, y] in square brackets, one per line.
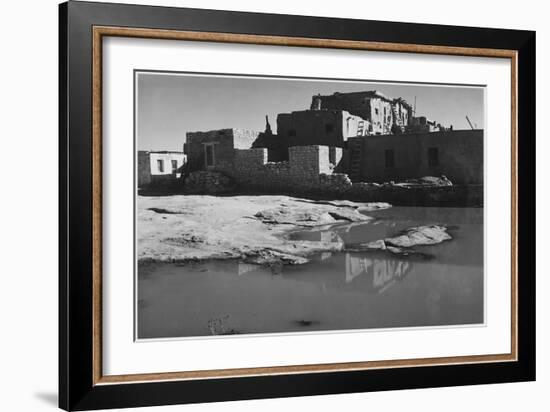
[250, 169]
[437, 196]
[306, 163]
[335, 182]
[208, 182]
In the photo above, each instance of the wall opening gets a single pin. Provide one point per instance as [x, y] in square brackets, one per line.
[332, 155]
[160, 165]
[209, 154]
[174, 166]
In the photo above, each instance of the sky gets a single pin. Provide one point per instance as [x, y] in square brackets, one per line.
[170, 105]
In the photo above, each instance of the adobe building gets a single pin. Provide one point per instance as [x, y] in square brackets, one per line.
[385, 115]
[423, 125]
[276, 145]
[159, 167]
[457, 154]
[345, 142]
[320, 127]
[215, 148]
[230, 152]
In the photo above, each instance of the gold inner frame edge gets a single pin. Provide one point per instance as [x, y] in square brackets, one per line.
[98, 32]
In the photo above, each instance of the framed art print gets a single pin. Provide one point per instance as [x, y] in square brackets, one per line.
[259, 205]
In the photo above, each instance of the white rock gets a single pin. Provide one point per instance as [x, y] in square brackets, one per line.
[421, 235]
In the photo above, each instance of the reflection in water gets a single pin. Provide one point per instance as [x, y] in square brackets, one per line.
[383, 272]
[357, 272]
[243, 268]
[335, 291]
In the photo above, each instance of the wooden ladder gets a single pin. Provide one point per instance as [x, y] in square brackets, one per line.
[355, 161]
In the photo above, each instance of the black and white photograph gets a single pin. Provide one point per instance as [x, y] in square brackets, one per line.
[249, 206]
[276, 205]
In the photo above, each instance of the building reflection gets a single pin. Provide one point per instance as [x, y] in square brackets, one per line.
[351, 272]
[370, 272]
[243, 268]
[380, 272]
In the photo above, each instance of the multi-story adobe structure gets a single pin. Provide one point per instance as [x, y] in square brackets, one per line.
[383, 114]
[366, 135]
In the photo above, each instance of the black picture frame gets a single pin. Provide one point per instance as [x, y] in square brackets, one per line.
[77, 390]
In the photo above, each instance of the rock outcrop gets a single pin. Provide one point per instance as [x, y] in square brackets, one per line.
[251, 228]
[310, 216]
[420, 236]
[404, 243]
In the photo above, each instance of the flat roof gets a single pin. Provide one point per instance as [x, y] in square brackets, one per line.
[370, 93]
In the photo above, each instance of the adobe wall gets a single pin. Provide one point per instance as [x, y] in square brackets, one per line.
[224, 140]
[351, 102]
[250, 168]
[319, 127]
[309, 172]
[194, 147]
[460, 156]
[380, 115]
[381, 112]
[277, 146]
[148, 169]
[243, 138]
[401, 113]
[167, 159]
[144, 171]
[377, 110]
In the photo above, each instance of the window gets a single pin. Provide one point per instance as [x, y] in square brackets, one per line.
[292, 132]
[174, 166]
[332, 155]
[375, 111]
[160, 165]
[433, 156]
[329, 128]
[360, 127]
[389, 157]
[209, 154]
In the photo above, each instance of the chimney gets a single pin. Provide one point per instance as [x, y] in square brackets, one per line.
[316, 102]
[267, 126]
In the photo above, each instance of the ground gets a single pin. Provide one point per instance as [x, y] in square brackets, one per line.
[251, 228]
